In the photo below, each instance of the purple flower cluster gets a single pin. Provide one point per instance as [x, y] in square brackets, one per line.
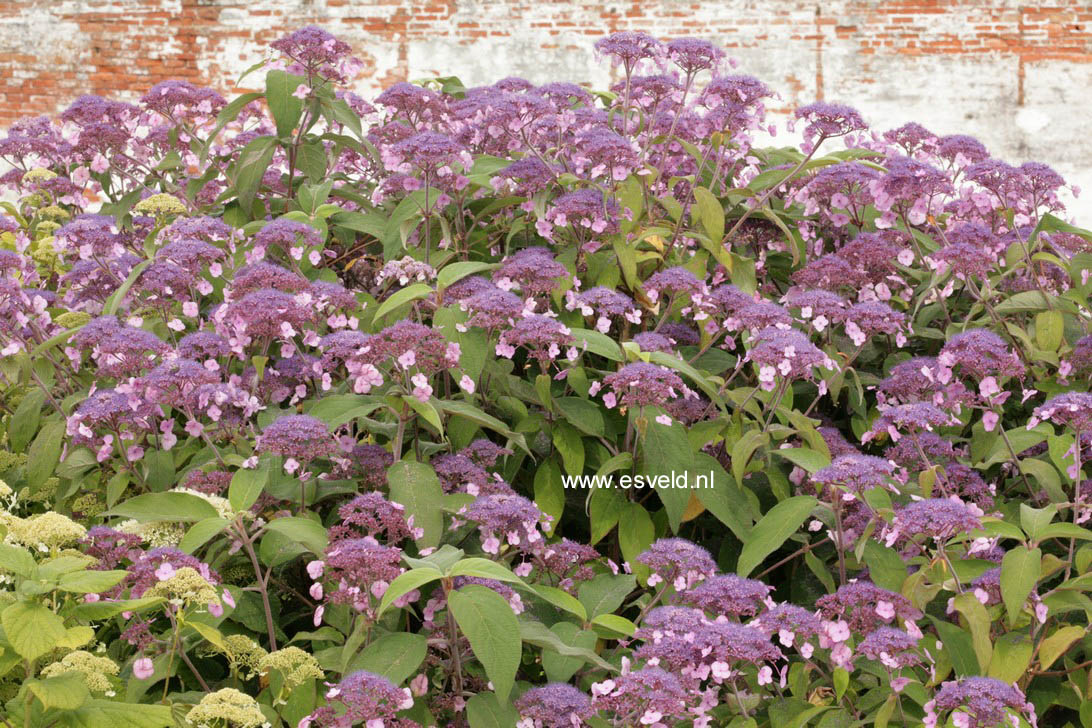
[556, 705]
[642, 384]
[979, 702]
[677, 563]
[363, 697]
[727, 594]
[297, 437]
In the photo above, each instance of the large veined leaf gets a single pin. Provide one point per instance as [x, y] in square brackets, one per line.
[395, 656]
[247, 485]
[668, 459]
[67, 691]
[247, 172]
[1020, 571]
[167, 506]
[32, 629]
[400, 298]
[490, 626]
[416, 487]
[484, 710]
[406, 582]
[772, 530]
[97, 713]
[45, 453]
[305, 531]
[286, 108]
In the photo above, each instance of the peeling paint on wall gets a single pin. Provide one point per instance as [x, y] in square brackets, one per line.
[1015, 76]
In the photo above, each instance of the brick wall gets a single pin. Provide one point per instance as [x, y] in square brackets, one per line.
[1016, 76]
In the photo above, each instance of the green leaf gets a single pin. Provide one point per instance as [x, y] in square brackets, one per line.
[1020, 572]
[368, 223]
[311, 161]
[1066, 531]
[561, 668]
[605, 507]
[635, 533]
[772, 530]
[475, 415]
[841, 682]
[885, 566]
[395, 656]
[559, 598]
[201, 532]
[209, 633]
[310, 534]
[1011, 657]
[114, 302]
[1021, 439]
[978, 620]
[24, 423]
[406, 582]
[710, 213]
[166, 506]
[725, 499]
[32, 629]
[401, 297]
[673, 362]
[17, 560]
[89, 582]
[1049, 329]
[44, 453]
[94, 611]
[598, 343]
[247, 172]
[809, 460]
[1056, 645]
[742, 451]
[100, 713]
[613, 622]
[247, 485]
[426, 410]
[666, 453]
[1047, 477]
[1034, 520]
[286, 108]
[231, 112]
[959, 646]
[582, 414]
[536, 633]
[66, 691]
[1026, 301]
[485, 711]
[442, 559]
[344, 115]
[484, 569]
[457, 271]
[605, 593]
[550, 491]
[568, 442]
[490, 626]
[883, 715]
[416, 487]
[339, 409]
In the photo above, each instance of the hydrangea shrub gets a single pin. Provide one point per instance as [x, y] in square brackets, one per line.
[536, 406]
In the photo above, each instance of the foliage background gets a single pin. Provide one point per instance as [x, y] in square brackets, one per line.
[287, 418]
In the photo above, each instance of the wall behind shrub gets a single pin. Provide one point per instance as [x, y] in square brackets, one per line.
[1016, 76]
